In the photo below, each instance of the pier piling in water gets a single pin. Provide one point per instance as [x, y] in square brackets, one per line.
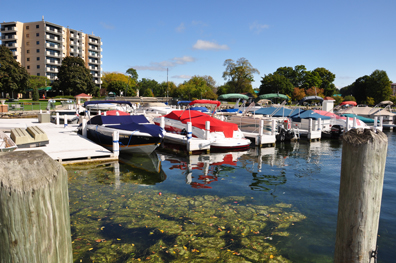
[34, 209]
[361, 184]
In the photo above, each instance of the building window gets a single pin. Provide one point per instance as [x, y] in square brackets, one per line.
[27, 35]
[38, 50]
[37, 26]
[38, 74]
[38, 58]
[28, 67]
[28, 51]
[38, 66]
[38, 42]
[28, 59]
[27, 43]
[27, 27]
[37, 34]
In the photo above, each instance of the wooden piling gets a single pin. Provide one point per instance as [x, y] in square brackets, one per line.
[34, 209]
[361, 184]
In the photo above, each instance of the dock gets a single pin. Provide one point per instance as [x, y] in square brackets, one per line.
[65, 145]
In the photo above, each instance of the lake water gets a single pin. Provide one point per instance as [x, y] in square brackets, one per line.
[277, 204]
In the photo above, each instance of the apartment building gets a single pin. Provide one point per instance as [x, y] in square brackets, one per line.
[41, 46]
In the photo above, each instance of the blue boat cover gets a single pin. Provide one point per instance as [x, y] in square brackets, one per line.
[308, 114]
[282, 112]
[183, 102]
[230, 110]
[363, 119]
[128, 123]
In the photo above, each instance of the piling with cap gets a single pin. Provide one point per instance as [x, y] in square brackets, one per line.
[65, 120]
[116, 145]
[361, 183]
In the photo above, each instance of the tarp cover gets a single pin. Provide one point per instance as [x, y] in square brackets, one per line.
[363, 119]
[282, 112]
[128, 123]
[107, 102]
[273, 96]
[233, 96]
[308, 114]
[205, 102]
[310, 98]
[198, 119]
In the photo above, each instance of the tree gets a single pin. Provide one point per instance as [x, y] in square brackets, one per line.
[298, 94]
[276, 83]
[210, 82]
[147, 86]
[349, 98]
[13, 77]
[240, 75]
[327, 81]
[311, 79]
[371, 101]
[75, 78]
[117, 86]
[35, 95]
[37, 82]
[379, 86]
[132, 79]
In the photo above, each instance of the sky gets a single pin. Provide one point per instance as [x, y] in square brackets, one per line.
[350, 38]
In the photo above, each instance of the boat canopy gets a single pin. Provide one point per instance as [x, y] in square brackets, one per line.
[279, 111]
[386, 102]
[353, 103]
[363, 119]
[215, 102]
[198, 119]
[308, 98]
[233, 96]
[201, 109]
[128, 123]
[183, 102]
[308, 114]
[273, 96]
[107, 102]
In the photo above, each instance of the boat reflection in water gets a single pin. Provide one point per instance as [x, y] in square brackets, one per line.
[140, 169]
[207, 163]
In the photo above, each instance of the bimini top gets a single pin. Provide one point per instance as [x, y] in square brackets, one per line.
[308, 114]
[353, 103]
[128, 123]
[198, 119]
[309, 98]
[233, 96]
[216, 102]
[107, 102]
[276, 111]
[273, 96]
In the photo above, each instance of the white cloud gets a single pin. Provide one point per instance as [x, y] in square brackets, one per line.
[106, 26]
[163, 65]
[206, 45]
[181, 77]
[180, 28]
[257, 28]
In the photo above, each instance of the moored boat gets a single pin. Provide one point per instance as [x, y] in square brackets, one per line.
[136, 133]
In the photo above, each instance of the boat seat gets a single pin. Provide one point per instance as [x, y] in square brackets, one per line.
[37, 133]
[21, 136]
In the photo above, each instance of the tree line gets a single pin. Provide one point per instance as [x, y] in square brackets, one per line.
[297, 82]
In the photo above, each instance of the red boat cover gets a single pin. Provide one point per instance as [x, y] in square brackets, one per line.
[198, 119]
[114, 113]
[205, 102]
[353, 103]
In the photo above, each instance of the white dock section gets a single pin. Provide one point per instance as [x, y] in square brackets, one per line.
[312, 131]
[65, 145]
[192, 145]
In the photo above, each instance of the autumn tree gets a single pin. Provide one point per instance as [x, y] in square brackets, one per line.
[13, 77]
[298, 94]
[239, 75]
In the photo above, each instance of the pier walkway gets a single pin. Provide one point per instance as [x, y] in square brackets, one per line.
[65, 145]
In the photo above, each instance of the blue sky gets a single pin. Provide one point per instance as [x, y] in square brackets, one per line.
[349, 38]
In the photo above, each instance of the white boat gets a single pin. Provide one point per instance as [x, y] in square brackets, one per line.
[154, 108]
[222, 135]
[105, 105]
[6, 143]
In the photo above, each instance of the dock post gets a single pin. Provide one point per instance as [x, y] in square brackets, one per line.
[65, 120]
[116, 145]
[105, 113]
[162, 122]
[84, 128]
[99, 112]
[347, 124]
[354, 123]
[261, 133]
[381, 118]
[273, 127]
[361, 183]
[375, 123]
[189, 136]
[309, 129]
[57, 118]
[207, 130]
[41, 111]
[34, 215]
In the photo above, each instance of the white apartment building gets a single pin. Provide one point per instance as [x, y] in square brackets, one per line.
[41, 46]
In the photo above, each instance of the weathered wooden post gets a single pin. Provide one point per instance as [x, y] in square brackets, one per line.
[34, 209]
[361, 184]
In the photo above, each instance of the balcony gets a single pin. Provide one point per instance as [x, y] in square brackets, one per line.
[52, 37]
[53, 30]
[10, 44]
[14, 53]
[9, 29]
[53, 54]
[56, 62]
[52, 70]
[53, 46]
[11, 37]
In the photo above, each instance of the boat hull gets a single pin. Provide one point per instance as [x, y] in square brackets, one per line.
[128, 142]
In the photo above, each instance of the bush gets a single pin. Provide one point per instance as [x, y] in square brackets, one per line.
[35, 95]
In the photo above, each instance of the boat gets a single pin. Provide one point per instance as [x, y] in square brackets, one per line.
[105, 105]
[154, 108]
[136, 133]
[6, 143]
[222, 135]
[68, 109]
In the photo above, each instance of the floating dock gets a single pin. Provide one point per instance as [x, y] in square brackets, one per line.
[64, 144]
